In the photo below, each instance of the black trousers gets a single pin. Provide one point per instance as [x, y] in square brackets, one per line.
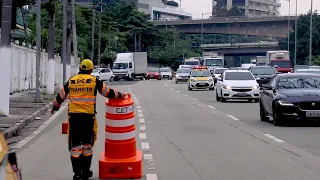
[81, 132]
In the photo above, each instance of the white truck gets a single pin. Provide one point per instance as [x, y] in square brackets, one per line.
[261, 61]
[213, 60]
[130, 66]
[192, 61]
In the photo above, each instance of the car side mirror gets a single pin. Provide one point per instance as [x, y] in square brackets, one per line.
[267, 86]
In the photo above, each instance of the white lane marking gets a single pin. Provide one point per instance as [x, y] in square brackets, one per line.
[142, 135]
[142, 127]
[139, 111]
[140, 115]
[186, 95]
[152, 176]
[139, 107]
[147, 156]
[269, 136]
[211, 107]
[141, 120]
[145, 145]
[232, 117]
[136, 101]
[278, 140]
[41, 128]
[195, 99]
[178, 91]
[274, 138]
[166, 85]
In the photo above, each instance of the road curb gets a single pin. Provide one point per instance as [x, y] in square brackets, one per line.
[13, 130]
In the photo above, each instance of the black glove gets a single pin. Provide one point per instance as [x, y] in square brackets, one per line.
[55, 107]
[121, 95]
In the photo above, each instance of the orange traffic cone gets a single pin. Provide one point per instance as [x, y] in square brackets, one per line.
[120, 159]
[65, 127]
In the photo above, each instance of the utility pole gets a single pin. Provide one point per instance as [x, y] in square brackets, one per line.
[38, 54]
[92, 31]
[68, 53]
[296, 34]
[311, 28]
[109, 39]
[64, 42]
[139, 42]
[289, 26]
[74, 33]
[51, 64]
[99, 46]
[135, 41]
[5, 52]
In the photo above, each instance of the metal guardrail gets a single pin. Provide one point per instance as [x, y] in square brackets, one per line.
[240, 45]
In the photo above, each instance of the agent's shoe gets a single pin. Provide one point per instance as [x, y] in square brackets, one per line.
[87, 175]
[77, 177]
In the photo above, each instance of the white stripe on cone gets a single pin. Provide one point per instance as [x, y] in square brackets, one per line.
[120, 123]
[120, 136]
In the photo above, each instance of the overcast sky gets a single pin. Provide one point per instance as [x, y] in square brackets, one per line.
[196, 7]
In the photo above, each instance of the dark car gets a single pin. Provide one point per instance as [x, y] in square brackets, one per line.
[153, 74]
[293, 96]
[263, 74]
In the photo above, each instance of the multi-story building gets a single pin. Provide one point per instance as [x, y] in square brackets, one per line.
[158, 9]
[255, 7]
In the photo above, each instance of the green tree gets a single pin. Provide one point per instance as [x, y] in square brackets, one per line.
[169, 50]
[303, 38]
[234, 11]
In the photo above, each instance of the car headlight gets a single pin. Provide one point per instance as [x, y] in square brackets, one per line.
[285, 103]
[210, 80]
[193, 80]
[226, 87]
[255, 87]
[177, 75]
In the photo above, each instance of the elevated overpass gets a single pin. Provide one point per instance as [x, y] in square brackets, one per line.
[275, 26]
[242, 49]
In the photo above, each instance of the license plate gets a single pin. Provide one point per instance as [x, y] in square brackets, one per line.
[202, 83]
[165, 76]
[151, 76]
[313, 114]
[242, 94]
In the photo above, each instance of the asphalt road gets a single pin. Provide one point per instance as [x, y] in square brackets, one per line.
[303, 135]
[185, 136]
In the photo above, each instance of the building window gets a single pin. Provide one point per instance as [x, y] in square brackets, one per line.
[238, 2]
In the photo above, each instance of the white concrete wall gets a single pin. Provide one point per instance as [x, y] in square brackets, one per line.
[23, 69]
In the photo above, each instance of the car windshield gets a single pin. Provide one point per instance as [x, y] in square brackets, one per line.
[214, 62]
[239, 76]
[191, 63]
[120, 66]
[263, 71]
[219, 71]
[183, 70]
[281, 64]
[154, 70]
[307, 82]
[301, 67]
[200, 73]
[95, 70]
[165, 70]
[307, 71]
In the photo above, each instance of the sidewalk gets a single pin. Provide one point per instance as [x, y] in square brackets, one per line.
[23, 110]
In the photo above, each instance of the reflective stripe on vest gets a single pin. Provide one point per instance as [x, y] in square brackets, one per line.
[85, 100]
[105, 91]
[120, 110]
[87, 150]
[120, 136]
[120, 123]
[3, 167]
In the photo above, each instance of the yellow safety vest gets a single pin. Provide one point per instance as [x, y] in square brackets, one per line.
[82, 94]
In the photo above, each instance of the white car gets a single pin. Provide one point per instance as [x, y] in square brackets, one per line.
[166, 73]
[104, 74]
[217, 73]
[237, 84]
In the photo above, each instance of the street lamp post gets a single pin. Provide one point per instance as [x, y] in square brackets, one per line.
[296, 34]
[174, 37]
[201, 39]
[310, 43]
[289, 26]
